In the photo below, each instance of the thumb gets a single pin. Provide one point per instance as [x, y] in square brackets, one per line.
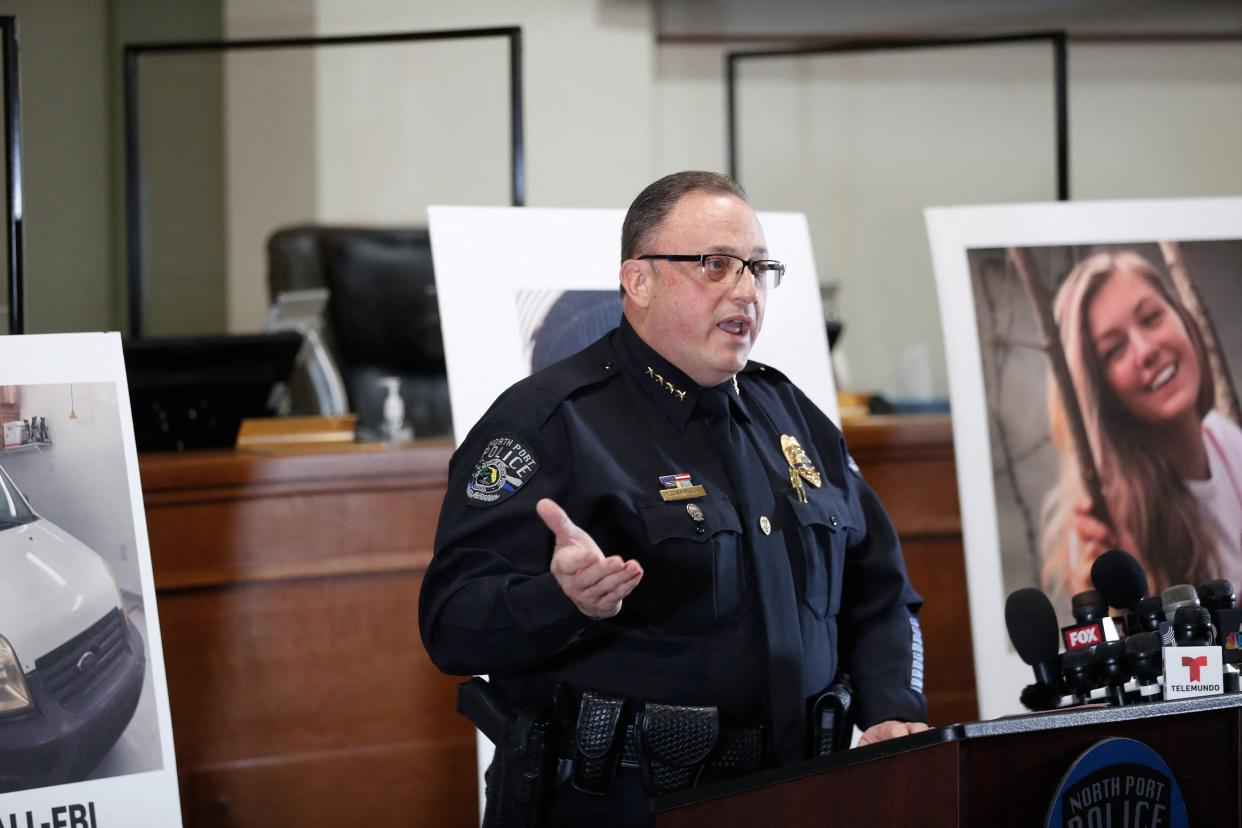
[558, 522]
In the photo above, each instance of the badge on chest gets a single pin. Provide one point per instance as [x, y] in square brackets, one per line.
[679, 487]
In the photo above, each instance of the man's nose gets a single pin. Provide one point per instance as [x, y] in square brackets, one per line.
[744, 290]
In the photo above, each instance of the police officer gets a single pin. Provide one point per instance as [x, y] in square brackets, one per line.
[670, 539]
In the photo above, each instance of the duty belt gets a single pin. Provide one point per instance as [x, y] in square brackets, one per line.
[669, 744]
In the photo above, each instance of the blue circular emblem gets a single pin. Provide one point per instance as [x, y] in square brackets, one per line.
[1118, 782]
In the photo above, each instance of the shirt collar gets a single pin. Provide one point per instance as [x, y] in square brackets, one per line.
[669, 388]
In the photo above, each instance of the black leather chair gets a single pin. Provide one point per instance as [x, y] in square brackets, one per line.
[382, 319]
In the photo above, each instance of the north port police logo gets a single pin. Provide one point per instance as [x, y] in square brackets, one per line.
[507, 463]
[1118, 783]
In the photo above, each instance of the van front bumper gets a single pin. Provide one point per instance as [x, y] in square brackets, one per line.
[84, 694]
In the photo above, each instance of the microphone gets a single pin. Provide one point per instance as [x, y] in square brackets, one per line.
[1089, 612]
[1111, 671]
[1192, 627]
[1032, 625]
[1078, 670]
[1218, 596]
[1173, 599]
[1144, 657]
[1150, 614]
[1121, 582]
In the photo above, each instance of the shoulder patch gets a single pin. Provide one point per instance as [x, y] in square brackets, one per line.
[506, 464]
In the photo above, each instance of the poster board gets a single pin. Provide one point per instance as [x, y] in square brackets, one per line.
[77, 597]
[498, 269]
[1008, 461]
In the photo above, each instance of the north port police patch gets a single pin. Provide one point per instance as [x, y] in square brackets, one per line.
[507, 463]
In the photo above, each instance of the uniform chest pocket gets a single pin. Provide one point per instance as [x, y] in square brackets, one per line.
[694, 571]
[823, 525]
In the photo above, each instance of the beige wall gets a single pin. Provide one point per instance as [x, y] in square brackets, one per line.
[66, 164]
[863, 143]
[374, 135]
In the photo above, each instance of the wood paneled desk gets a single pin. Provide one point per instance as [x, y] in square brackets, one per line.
[287, 586]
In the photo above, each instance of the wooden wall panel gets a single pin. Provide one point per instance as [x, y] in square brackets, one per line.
[287, 585]
[909, 463]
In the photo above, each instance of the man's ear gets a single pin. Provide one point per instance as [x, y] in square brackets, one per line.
[636, 279]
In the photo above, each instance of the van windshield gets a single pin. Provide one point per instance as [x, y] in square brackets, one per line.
[13, 508]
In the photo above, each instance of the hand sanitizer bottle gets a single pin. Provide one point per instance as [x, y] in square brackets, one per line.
[394, 428]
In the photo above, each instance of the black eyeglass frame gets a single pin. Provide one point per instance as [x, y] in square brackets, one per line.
[778, 268]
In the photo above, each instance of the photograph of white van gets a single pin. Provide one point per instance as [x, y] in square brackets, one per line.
[71, 661]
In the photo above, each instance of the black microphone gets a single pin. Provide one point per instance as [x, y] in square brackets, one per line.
[1192, 627]
[1145, 659]
[1078, 672]
[1218, 596]
[1089, 612]
[1150, 614]
[1121, 582]
[1032, 625]
[1111, 669]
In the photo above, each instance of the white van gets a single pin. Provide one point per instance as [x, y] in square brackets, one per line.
[71, 661]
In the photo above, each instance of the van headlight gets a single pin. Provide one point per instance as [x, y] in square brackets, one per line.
[14, 695]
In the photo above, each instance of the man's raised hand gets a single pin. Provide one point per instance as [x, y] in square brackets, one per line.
[596, 584]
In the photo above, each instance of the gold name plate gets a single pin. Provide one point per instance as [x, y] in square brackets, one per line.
[683, 493]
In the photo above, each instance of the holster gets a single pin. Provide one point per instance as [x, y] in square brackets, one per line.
[596, 749]
[832, 720]
[674, 742]
[523, 770]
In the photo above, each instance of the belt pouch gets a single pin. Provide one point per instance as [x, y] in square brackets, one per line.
[674, 742]
[595, 751]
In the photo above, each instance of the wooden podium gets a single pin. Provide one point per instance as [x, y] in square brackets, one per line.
[998, 773]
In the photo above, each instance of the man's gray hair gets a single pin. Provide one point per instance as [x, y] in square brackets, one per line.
[655, 202]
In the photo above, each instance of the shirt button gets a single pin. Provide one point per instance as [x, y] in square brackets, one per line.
[765, 525]
[608, 365]
[834, 521]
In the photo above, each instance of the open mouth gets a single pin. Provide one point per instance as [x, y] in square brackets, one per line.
[736, 325]
[1162, 379]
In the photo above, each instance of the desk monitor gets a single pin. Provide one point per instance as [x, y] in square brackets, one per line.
[193, 392]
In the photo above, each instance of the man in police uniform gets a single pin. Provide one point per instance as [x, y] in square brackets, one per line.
[673, 536]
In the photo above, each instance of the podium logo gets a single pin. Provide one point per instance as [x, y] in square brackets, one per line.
[1118, 783]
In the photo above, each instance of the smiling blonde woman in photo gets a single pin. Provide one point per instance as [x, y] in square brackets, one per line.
[1170, 464]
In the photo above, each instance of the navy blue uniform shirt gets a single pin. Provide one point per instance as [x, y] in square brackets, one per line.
[603, 433]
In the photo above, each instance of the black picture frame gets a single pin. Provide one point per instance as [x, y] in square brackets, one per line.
[1057, 39]
[13, 173]
[133, 167]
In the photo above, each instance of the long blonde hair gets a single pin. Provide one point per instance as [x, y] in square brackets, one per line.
[1146, 495]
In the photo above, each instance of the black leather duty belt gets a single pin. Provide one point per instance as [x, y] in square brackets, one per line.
[669, 744]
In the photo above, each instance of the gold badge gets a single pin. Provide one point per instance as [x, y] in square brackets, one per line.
[799, 461]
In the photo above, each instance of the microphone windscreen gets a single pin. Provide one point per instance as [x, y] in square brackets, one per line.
[1032, 625]
[1088, 606]
[1178, 596]
[1119, 578]
[1216, 594]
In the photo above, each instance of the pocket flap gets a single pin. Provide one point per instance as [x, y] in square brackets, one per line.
[664, 521]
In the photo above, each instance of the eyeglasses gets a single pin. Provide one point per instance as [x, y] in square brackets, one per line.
[717, 266]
